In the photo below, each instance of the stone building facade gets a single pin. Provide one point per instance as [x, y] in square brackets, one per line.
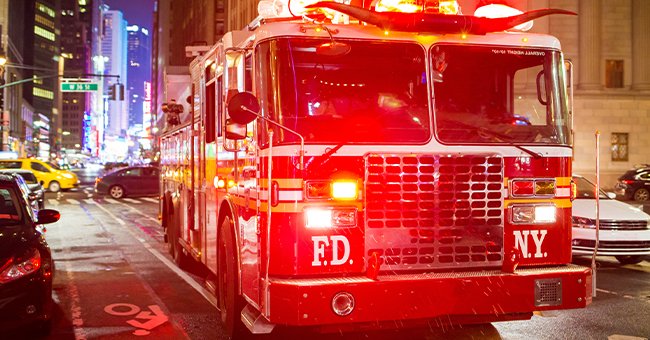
[608, 43]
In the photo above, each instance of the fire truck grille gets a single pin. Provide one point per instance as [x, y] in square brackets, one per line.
[434, 211]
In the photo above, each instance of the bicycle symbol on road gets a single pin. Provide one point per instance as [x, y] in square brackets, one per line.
[154, 316]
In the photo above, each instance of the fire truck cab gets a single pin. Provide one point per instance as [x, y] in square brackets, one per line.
[348, 167]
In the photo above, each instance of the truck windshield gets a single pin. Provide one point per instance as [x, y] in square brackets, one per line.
[493, 95]
[375, 93]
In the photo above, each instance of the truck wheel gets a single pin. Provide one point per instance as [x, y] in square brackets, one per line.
[54, 186]
[629, 259]
[230, 303]
[641, 195]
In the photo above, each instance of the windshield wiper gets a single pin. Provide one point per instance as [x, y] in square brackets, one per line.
[505, 139]
[325, 157]
[498, 137]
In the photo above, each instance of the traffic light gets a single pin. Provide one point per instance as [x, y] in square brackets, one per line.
[119, 91]
[111, 92]
[116, 91]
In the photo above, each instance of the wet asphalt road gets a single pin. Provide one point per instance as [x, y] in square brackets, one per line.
[114, 280]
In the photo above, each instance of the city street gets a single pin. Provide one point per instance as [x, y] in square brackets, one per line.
[114, 279]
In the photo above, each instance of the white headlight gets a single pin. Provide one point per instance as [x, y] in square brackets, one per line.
[533, 214]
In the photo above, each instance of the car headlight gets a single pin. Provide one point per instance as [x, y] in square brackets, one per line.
[69, 176]
[582, 222]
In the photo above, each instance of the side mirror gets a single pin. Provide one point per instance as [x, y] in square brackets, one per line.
[243, 108]
[46, 216]
[235, 131]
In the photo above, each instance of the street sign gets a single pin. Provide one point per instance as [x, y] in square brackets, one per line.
[79, 87]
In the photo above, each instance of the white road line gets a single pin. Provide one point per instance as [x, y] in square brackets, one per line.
[189, 280]
[72, 201]
[52, 201]
[110, 200]
[131, 200]
[150, 199]
[90, 201]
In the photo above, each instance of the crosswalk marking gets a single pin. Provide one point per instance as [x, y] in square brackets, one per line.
[101, 200]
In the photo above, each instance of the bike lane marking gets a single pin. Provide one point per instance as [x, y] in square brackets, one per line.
[189, 280]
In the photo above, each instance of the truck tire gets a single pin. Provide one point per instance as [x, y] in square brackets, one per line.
[230, 302]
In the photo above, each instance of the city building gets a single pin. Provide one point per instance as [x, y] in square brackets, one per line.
[139, 69]
[75, 49]
[114, 41]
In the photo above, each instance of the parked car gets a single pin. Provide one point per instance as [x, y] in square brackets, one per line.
[53, 178]
[131, 181]
[624, 229]
[634, 184]
[26, 266]
[35, 187]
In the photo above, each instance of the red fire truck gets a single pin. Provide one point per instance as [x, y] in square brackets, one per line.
[357, 165]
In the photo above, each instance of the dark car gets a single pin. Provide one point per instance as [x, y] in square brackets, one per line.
[634, 184]
[26, 266]
[38, 193]
[131, 181]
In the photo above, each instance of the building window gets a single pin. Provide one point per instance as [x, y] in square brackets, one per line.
[620, 147]
[45, 9]
[614, 74]
[44, 33]
[43, 93]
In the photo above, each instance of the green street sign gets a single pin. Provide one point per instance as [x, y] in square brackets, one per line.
[79, 87]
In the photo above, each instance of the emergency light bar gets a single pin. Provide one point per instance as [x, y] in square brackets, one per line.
[502, 11]
[436, 23]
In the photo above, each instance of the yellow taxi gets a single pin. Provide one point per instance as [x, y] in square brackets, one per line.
[50, 175]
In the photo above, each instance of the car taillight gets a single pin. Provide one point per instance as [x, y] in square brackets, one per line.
[18, 267]
[627, 181]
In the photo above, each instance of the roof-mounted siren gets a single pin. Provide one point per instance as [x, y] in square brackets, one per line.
[436, 22]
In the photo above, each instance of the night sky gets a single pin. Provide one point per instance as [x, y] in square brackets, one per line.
[136, 12]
